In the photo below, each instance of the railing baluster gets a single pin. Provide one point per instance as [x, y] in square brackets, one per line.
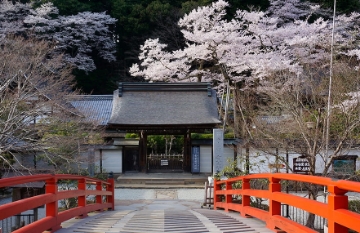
[228, 197]
[217, 198]
[245, 198]
[336, 200]
[82, 198]
[274, 206]
[99, 197]
[111, 188]
[52, 207]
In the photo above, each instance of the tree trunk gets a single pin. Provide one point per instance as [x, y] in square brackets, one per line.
[310, 222]
[313, 191]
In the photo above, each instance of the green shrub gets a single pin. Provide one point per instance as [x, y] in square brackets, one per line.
[131, 135]
[354, 205]
[209, 136]
[201, 136]
[229, 135]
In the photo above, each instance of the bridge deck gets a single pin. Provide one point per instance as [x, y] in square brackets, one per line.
[163, 216]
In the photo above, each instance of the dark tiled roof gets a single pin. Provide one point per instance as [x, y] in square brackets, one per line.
[94, 107]
[158, 106]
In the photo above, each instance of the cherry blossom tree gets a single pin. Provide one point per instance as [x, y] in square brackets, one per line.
[11, 17]
[281, 55]
[291, 10]
[246, 48]
[79, 36]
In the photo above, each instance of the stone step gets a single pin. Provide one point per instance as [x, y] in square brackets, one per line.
[161, 180]
[140, 181]
[164, 182]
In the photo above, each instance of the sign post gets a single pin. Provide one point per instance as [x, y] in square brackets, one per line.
[218, 150]
[195, 159]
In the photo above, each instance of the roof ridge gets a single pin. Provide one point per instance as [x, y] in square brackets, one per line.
[90, 97]
[166, 87]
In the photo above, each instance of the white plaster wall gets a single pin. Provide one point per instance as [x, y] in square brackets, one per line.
[259, 160]
[205, 159]
[112, 161]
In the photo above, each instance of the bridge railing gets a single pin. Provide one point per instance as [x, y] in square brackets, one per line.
[102, 191]
[335, 210]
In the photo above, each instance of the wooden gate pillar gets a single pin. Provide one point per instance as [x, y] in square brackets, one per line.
[187, 152]
[142, 151]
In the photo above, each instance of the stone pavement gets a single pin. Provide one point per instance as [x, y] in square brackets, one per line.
[178, 210]
[165, 213]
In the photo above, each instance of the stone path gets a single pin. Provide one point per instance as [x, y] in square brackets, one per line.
[177, 216]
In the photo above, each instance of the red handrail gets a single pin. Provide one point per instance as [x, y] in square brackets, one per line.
[339, 218]
[54, 218]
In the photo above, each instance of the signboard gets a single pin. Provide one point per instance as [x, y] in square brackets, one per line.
[164, 162]
[218, 150]
[345, 165]
[195, 159]
[301, 165]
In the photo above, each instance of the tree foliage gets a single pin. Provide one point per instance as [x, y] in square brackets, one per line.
[139, 20]
[279, 60]
[343, 6]
[293, 118]
[70, 7]
[33, 111]
[299, 101]
[244, 48]
[79, 37]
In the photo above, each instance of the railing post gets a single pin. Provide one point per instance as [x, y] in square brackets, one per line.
[336, 200]
[274, 206]
[228, 197]
[82, 198]
[216, 188]
[52, 207]
[245, 198]
[99, 197]
[111, 188]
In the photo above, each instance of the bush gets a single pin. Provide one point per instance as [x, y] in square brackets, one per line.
[131, 135]
[210, 136]
[354, 205]
[201, 136]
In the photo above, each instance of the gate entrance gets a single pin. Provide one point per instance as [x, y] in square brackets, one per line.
[162, 162]
[165, 152]
[149, 109]
[131, 159]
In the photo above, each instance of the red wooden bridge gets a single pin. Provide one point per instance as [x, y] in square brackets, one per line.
[339, 218]
[335, 210]
[103, 191]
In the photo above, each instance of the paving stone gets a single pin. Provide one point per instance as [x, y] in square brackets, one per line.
[175, 216]
[166, 194]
